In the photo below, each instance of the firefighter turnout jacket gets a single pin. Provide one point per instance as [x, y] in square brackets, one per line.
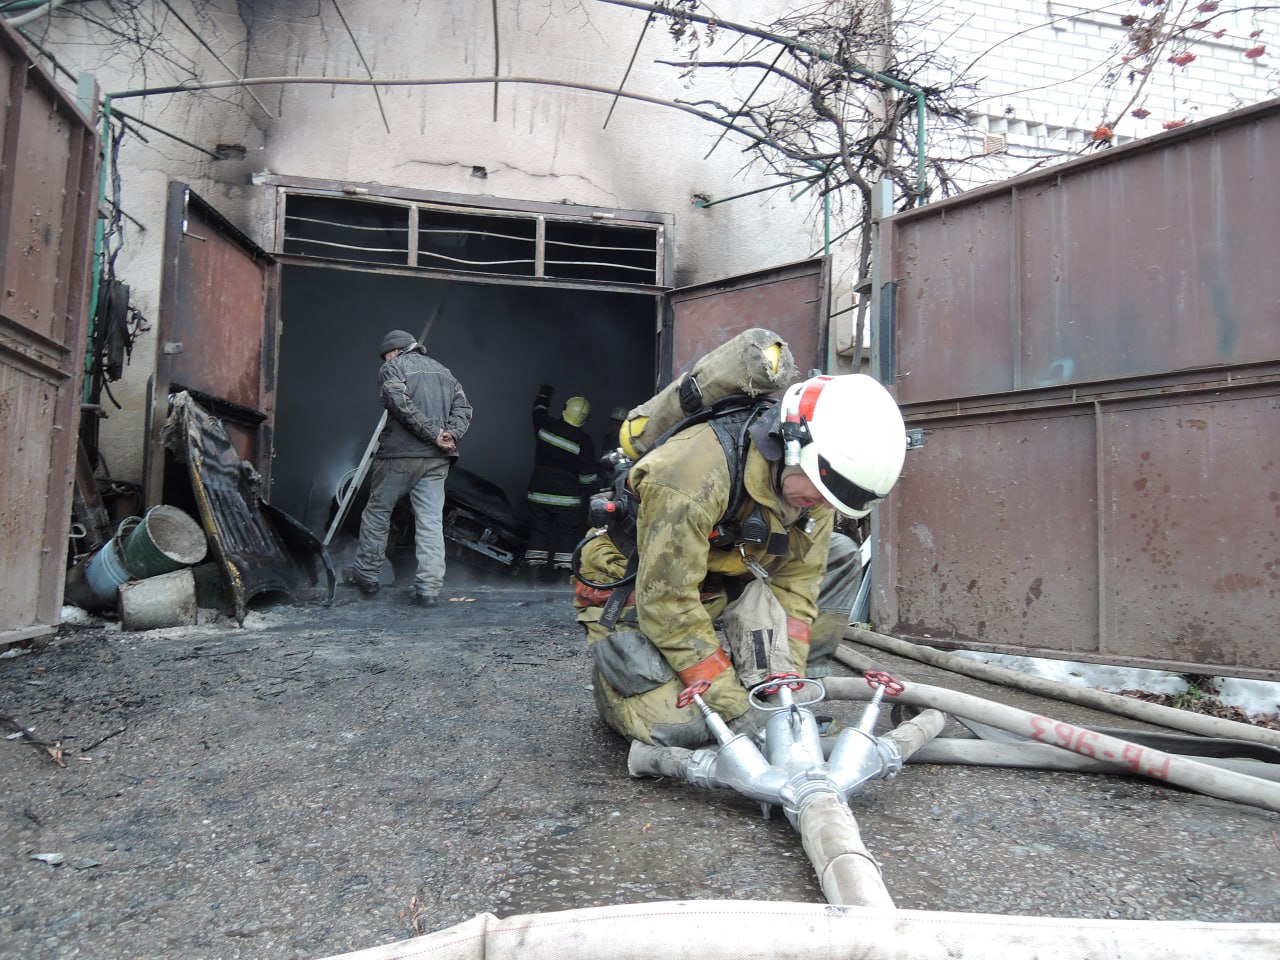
[564, 461]
[683, 584]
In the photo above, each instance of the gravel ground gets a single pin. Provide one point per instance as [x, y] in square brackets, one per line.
[329, 778]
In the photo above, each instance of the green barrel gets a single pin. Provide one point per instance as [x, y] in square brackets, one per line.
[166, 540]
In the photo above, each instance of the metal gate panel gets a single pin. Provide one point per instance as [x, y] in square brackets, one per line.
[1141, 529]
[1191, 529]
[995, 534]
[1153, 257]
[28, 399]
[1162, 262]
[789, 300]
[216, 335]
[47, 207]
[954, 290]
[45, 151]
[219, 313]
[1133, 292]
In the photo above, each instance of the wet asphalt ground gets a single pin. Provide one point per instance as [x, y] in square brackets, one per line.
[330, 778]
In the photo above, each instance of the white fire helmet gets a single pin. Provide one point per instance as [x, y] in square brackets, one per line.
[847, 435]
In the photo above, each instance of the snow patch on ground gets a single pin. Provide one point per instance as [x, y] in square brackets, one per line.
[208, 623]
[1256, 698]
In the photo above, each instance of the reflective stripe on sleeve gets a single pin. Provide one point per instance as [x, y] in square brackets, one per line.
[554, 499]
[558, 441]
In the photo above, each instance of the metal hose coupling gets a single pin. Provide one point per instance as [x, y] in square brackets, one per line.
[737, 764]
[792, 765]
[859, 756]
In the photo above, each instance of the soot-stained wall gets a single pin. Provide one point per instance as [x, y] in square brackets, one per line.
[501, 342]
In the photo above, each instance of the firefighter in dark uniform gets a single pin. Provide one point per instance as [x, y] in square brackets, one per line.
[564, 477]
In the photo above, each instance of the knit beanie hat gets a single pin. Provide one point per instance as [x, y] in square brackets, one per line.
[396, 340]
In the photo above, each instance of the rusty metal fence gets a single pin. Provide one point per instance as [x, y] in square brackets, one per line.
[1093, 354]
[47, 210]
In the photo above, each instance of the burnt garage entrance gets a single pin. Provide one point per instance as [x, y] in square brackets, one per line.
[507, 299]
[282, 346]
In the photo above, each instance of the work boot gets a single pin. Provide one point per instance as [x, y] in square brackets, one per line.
[425, 599]
[367, 587]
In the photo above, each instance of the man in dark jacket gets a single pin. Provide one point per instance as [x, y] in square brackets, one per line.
[564, 477]
[427, 414]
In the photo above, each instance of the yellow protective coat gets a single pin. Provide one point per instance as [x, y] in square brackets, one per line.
[683, 487]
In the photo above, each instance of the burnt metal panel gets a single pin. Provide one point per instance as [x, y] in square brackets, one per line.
[47, 192]
[214, 329]
[259, 548]
[790, 300]
[1093, 353]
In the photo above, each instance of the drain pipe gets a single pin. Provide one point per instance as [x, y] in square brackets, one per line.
[1119, 754]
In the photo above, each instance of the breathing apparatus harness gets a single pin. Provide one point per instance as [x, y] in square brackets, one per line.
[616, 510]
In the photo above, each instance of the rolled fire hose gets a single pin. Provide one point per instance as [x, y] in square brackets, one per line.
[780, 930]
[1120, 754]
[1155, 713]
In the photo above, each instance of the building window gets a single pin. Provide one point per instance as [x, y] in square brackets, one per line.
[456, 239]
[332, 228]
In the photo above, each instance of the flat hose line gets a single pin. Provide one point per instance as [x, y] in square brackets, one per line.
[1153, 713]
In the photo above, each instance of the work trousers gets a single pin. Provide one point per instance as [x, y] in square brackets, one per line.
[839, 590]
[553, 534]
[422, 479]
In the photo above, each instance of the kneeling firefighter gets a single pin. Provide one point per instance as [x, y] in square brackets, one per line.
[739, 532]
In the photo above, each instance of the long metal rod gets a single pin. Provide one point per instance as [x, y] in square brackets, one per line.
[360, 53]
[213, 53]
[626, 73]
[196, 87]
[497, 56]
[764, 75]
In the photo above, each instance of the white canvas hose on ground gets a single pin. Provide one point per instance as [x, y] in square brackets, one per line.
[1121, 754]
[769, 930]
[1154, 713]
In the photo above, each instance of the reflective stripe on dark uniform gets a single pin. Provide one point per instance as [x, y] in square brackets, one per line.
[564, 475]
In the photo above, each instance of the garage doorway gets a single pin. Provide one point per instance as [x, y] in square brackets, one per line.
[509, 297]
[500, 341]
